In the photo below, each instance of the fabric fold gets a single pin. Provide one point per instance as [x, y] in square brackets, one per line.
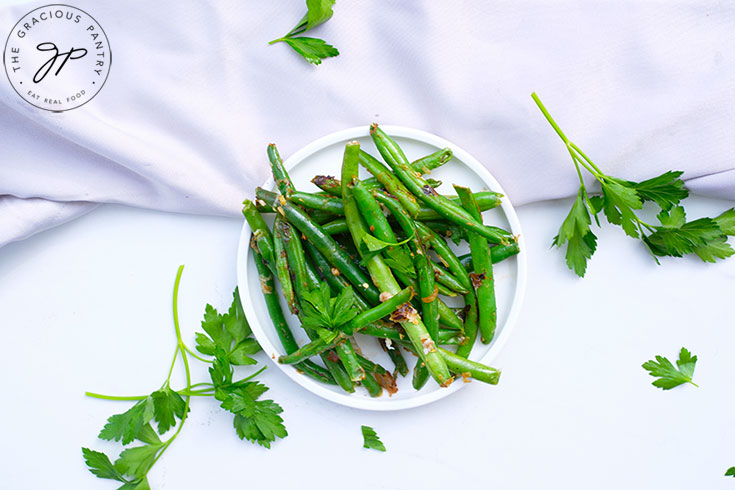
[195, 94]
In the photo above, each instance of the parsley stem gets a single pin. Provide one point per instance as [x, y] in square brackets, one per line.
[549, 118]
[576, 148]
[195, 385]
[194, 354]
[117, 398]
[180, 347]
[133, 398]
[171, 369]
[571, 147]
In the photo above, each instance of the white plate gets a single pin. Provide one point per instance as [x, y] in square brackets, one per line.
[324, 157]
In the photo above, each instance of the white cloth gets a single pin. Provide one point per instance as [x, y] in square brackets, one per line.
[195, 94]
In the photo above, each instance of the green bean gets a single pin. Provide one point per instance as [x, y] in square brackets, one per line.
[450, 210]
[328, 207]
[394, 352]
[448, 283]
[273, 306]
[420, 375]
[329, 204]
[370, 366]
[465, 367]
[390, 182]
[450, 337]
[486, 199]
[333, 186]
[280, 175]
[311, 349]
[425, 165]
[328, 184]
[316, 215]
[261, 233]
[281, 264]
[348, 356]
[447, 279]
[255, 219]
[335, 281]
[383, 331]
[336, 227]
[382, 310]
[333, 364]
[372, 386]
[446, 315]
[446, 255]
[424, 272]
[482, 278]
[382, 275]
[373, 214]
[324, 243]
[470, 326]
[498, 253]
[265, 247]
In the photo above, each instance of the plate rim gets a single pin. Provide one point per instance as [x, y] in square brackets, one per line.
[346, 399]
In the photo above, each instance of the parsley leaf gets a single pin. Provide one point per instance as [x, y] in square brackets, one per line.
[321, 311]
[221, 371]
[126, 426]
[669, 376]
[371, 439]
[167, 405]
[619, 203]
[255, 420]
[312, 49]
[230, 332]
[136, 461]
[99, 464]
[576, 232]
[666, 190]
[138, 485]
[148, 435]
[319, 11]
[730, 471]
[676, 237]
[726, 222]
[714, 249]
[372, 246]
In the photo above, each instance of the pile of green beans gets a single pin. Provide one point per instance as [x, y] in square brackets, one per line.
[399, 285]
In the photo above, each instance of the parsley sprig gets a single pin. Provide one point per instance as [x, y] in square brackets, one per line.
[313, 50]
[674, 236]
[670, 376]
[326, 315]
[229, 343]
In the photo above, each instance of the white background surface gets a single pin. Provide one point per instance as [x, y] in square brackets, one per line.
[87, 306]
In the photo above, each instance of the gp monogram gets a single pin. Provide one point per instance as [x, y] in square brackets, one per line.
[57, 57]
